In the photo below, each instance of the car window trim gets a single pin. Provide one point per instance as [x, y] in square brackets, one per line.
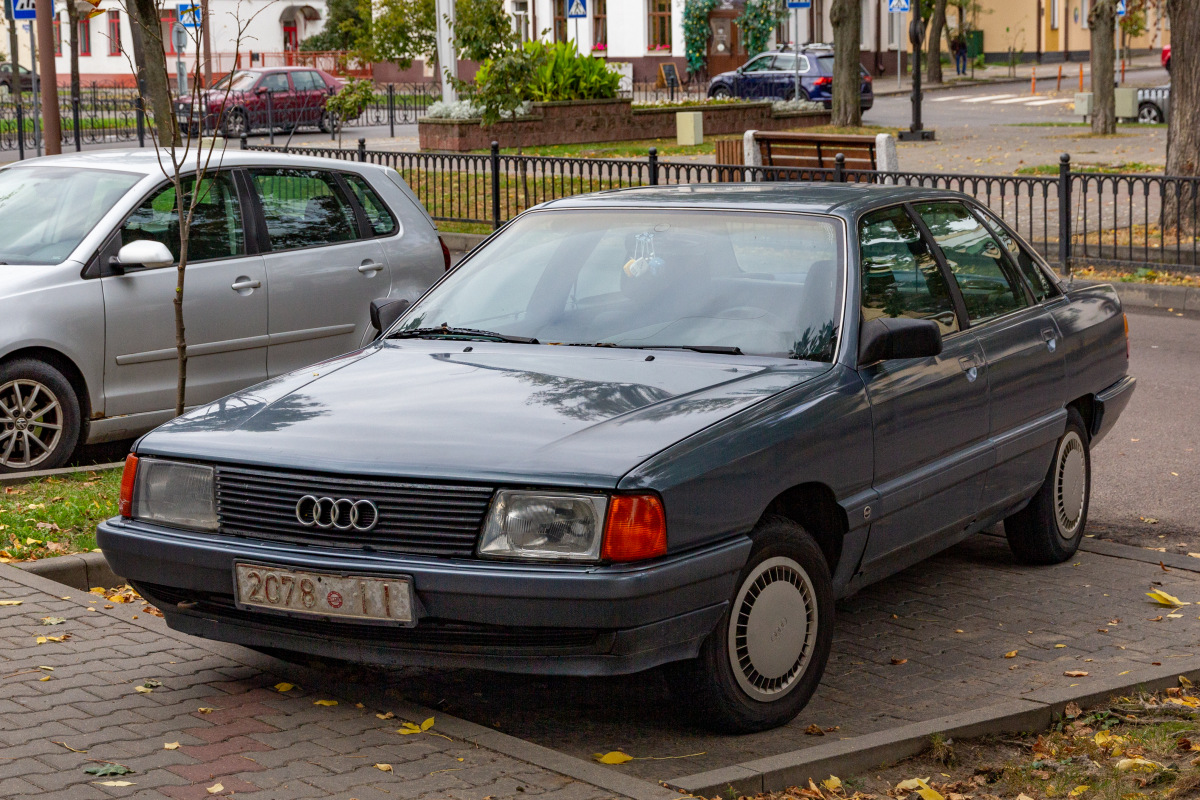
[956, 297]
[360, 215]
[267, 247]
[371, 234]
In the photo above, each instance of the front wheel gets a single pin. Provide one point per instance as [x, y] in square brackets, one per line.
[763, 662]
[720, 93]
[39, 417]
[236, 124]
[329, 122]
[1050, 528]
[1149, 114]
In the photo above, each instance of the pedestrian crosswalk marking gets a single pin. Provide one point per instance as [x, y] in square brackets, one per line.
[948, 99]
[1060, 101]
[1012, 100]
[988, 98]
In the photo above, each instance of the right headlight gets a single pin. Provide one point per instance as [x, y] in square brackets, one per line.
[174, 493]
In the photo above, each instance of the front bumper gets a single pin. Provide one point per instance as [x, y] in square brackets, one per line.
[552, 619]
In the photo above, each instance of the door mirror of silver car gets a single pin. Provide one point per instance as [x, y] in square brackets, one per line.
[141, 254]
[386, 311]
[889, 338]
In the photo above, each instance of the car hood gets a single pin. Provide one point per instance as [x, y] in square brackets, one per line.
[478, 411]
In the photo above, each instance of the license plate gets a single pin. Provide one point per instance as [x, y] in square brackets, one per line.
[321, 594]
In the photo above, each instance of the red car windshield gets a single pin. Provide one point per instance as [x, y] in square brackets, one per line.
[241, 81]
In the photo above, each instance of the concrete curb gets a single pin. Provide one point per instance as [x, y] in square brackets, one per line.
[1037, 710]
[1104, 547]
[1149, 295]
[79, 571]
[15, 478]
[462, 242]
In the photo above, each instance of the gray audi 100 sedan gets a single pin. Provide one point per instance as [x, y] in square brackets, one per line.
[286, 253]
[651, 426]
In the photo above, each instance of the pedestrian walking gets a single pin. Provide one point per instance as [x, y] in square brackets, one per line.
[958, 46]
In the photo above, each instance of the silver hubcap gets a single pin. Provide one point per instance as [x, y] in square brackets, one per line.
[772, 629]
[31, 422]
[1070, 485]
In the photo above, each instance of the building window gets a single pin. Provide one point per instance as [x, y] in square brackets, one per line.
[57, 36]
[1054, 12]
[85, 36]
[600, 26]
[560, 20]
[168, 19]
[660, 25]
[1085, 7]
[114, 33]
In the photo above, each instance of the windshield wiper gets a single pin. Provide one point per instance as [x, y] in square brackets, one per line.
[722, 350]
[446, 330]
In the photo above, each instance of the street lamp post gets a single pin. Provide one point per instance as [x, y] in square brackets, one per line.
[916, 34]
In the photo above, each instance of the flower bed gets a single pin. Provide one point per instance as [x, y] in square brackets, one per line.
[581, 121]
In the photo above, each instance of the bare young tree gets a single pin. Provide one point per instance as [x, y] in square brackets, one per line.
[1102, 21]
[846, 17]
[933, 58]
[1183, 132]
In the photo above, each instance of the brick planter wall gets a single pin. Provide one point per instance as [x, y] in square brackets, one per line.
[583, 121]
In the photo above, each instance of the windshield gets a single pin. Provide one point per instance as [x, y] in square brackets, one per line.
[46, 211]
[767, 284]
[241, 81]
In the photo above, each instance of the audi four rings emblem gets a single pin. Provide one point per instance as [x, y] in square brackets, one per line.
[342, 513]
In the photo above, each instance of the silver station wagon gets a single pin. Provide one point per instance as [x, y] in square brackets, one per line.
[286, 255]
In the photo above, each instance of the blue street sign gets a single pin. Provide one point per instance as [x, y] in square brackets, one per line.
[189, 15]
[577, 9]
[895, 6]
[1121, 11]
[24, 9]
[799, 4]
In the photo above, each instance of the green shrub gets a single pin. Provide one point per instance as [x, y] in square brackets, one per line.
[560, 72]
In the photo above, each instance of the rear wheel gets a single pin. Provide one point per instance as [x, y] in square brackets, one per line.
[1149, 113]
[1050, 528]
[763, 662]
[329, 122]
[236, 124]
[39, 417]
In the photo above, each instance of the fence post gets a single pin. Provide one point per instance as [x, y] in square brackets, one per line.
[392, 110]
[1064, 213]
[20, 128]
[245, 141]
[75, 121]
[839, 168]
[495, 185]
[271, 116]
[652, 162]
[362, 149]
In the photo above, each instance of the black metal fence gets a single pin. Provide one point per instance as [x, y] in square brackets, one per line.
[1074, 218]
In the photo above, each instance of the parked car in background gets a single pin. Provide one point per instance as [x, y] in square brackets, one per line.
[1166, 58]
[773, 76]
[6, 77]
[666, 425]
[1154, 104]
[254, 99]
[285, 255]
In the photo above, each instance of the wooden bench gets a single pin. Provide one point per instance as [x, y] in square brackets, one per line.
[808, 152]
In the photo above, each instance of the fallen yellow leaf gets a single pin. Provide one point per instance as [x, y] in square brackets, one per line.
[930, 794]
[1164, 599]
[48, 669]
[1184, 682]
[325, 702]
[171, 746]
[1189, 702]
[1057, 646]
[832, 783]
[614, 757]
[115, 783]
[1126, 672]
[409, 728]
[44, 678]
[427, 724]
[143, 689]
[1075, 673]
[912, 784]
[1137, 764]
[284, 686]
[1011, 654]
[11, 602]
[216, 787]
[388, 715]
[1024, 796]
[1078, 790]
[384, 767]
[204, 710]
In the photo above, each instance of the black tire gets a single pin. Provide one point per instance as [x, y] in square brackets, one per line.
[720, 93]
[1050, 528]
[33, 397]
[1150, 114]
[236, 124]
[715, 687]
[329, 122]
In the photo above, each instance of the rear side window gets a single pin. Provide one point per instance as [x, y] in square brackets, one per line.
[1038, 282]
[381, 220]
[900, 276]
[275, 82]
[303, 208]
[307, 81]
[988, 286]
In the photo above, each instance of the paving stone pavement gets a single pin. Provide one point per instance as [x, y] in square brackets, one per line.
[256, 742]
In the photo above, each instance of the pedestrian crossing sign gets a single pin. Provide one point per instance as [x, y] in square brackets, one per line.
[895, 6]
[1121, 9]
[23, 9]
[577, 9]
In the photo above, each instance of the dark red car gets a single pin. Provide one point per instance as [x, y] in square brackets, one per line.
[1166, 58]
[250, 99]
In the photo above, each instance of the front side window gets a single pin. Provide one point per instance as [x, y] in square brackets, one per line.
[975, 259]
[660, 24]
[900, 276]
[1038, 282]
[216, 227]
[307, 81]
[760, 64]
[765, 284]
[378, 217]
[275, 82]
[46, 211]
[303, 208]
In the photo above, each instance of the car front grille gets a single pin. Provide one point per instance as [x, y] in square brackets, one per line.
[437, 519]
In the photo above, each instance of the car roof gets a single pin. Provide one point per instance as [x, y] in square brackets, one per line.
[146, 161]
[817, 197]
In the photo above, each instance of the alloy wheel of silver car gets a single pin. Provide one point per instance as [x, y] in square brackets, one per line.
[31, 423]
[1149, 114]
[772, 628]
[1070, 484]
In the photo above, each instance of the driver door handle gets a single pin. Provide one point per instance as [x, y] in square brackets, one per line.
[243, 285]
[369, 267]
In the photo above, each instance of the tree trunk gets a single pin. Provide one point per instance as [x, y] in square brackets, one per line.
[1102, 20]
[846, 17]
[145, 15]
[937, 24]
[1183, 135]
[73, 22]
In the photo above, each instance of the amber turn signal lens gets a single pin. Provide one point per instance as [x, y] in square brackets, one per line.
[636, 528]
[125, 504]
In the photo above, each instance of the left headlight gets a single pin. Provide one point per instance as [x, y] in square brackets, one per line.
[176, 494]
[552, 526]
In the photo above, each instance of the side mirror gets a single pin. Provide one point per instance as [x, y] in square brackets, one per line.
[142, 254]
[386, 311]
[888, 338]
